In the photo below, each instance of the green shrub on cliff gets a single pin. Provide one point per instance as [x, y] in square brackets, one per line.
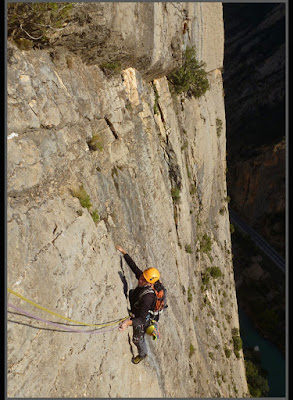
[211, 272]
[156, 105]
[205, 244]
[190, 78]
[227, 352]
[188, 248]
[237, 342]
[191, 349]
[189, 295]
[215, 272]
[219, 126]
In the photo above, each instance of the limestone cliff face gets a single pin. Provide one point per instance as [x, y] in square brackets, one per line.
[62, 259]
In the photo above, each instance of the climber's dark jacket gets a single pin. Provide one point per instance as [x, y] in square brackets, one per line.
[140, 308]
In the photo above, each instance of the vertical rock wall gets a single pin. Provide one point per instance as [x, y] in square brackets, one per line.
[62, 258]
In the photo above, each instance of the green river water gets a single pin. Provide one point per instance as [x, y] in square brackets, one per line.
[271, 358]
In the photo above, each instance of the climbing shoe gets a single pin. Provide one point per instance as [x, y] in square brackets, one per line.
[137, 359]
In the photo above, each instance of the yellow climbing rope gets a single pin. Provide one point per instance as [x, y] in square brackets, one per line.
[60, 316]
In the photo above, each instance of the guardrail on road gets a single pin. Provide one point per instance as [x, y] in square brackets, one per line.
[259, 240]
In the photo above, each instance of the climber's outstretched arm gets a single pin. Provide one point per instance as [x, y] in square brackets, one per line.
[134, 268]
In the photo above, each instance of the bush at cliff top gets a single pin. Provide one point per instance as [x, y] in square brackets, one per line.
[190, 78]
[35, 22]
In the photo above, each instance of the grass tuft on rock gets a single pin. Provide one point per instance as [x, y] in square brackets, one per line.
[175, 193]
[95, 216]
[83, 197]
[205, 244]
[95, 143]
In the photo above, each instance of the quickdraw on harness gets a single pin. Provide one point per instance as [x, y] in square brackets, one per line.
[153, 330]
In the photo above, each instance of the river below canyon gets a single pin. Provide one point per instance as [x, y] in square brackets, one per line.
[272, 359]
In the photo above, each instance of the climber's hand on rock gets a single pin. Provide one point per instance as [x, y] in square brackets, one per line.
[120, 249]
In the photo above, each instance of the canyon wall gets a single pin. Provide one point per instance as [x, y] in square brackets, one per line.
[155, 180]
[254, 82]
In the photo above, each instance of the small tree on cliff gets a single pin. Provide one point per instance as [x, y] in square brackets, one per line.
[190, 78]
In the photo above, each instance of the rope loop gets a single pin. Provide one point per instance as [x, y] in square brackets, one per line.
[60, 316]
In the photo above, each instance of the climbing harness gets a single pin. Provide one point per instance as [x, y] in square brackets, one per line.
[60, 316]
[152, 328]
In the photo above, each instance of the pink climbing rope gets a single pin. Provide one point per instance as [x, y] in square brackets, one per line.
[58, 325]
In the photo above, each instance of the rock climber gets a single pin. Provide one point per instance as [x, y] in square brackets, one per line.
[142, 301]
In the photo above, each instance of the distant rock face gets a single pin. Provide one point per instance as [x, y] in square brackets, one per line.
[254, 82]
[71, 127]
[258, 188]
[254, 74]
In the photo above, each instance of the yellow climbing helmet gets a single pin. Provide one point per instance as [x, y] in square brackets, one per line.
[152, 275]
